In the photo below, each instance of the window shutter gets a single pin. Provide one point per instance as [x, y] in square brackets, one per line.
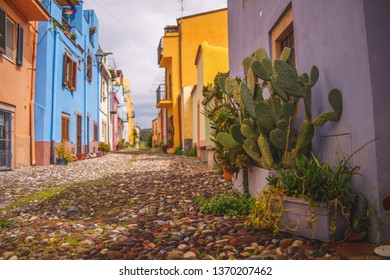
[73, 75]
[66, 71]
[3, 24]
[19, 55]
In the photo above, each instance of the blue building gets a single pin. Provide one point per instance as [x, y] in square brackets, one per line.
[67, 85]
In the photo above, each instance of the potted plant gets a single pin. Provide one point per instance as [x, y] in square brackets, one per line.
[104, 148]
[92, 30]
[63, 155]
[80, 156]
[313, 200]
[224, 117]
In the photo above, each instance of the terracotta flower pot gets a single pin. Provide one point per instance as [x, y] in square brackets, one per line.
[226, 174]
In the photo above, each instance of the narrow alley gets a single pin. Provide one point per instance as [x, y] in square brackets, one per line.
[131, 205]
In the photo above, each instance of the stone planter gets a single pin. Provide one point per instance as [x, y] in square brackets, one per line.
[257, 180]
[316, 222]
[210, 157]
[203, 154]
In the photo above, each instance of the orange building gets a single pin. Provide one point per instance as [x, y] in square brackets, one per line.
[18, 25]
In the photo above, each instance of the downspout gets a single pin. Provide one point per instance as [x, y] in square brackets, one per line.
[85, 96]
[32, 97]
[181, 77]
[53, 99]
[99, 88]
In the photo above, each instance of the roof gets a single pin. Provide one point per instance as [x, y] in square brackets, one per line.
[201, 14]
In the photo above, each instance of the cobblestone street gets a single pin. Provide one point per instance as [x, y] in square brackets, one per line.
[131, 206]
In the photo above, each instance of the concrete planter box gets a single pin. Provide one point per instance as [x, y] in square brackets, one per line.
[210, 151]
[257, 180]
[203, 154]
[298, 218]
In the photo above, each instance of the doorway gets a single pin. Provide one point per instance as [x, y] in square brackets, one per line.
[5, 140]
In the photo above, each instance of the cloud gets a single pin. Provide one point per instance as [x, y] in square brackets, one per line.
[132, 30]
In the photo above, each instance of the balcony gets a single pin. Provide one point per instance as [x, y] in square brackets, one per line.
[31, 10]
[67, 2]
[160, 51]
[162, 99]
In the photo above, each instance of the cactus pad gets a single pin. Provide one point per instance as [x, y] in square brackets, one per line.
[336, 100]
[285, 55]
[314, 74]
[260, 71]
[264, 116]
[287, 78]
[324, 117]
[236, 134]
[278, 138]
[266, 151]
[249, 133]
[247, 100]
[227, 140]
[306, 133]
[260, 53]
[246, 62]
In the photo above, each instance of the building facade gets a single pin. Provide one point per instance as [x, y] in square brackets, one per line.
[336, 36]
[209, 61]
[67, 95]
[18, 41]
[177, 53]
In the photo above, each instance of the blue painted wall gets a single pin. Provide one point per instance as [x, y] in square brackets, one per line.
[348, 41]
[52, 97]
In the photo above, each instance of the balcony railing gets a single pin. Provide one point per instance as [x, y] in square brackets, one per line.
[160, 93]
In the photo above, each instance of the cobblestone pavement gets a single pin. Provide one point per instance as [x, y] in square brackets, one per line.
[130, 206]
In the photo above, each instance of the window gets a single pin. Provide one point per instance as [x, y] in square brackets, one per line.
[89, 67]
[3, 24]
[65, 127]
[95, 131]
[70, 72]
[104, 128]
[283, 34]
[9, 39]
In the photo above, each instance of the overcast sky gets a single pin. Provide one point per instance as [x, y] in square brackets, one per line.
[132, 29]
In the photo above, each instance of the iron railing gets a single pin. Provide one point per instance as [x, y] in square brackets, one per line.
[160, 93]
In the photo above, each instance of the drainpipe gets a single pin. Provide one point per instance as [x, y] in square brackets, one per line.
[85, 96]
[53, 97]
[99, 86]
[181, 77]
[32, 97]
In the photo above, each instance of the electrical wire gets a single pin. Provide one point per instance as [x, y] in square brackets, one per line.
[124, 25]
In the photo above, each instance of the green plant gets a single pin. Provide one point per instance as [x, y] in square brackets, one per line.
[120, 145]
[230, 204]
[63, 153]
[263, 125]
[73, 36]
[193, 152]
[313, 182]
[104, 147]
[178, 151]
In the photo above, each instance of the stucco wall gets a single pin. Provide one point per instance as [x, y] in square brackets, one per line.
[15, 89]
[343, 40]
[52, 98]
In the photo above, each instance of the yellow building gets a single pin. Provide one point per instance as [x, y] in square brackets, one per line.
[177, 53]
[130, 111]
[209, 61]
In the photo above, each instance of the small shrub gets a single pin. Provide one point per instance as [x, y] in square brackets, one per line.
[120, 145]
[178, 151]
[229, 204]
[193, 152]
[63, 153]
[104, 147]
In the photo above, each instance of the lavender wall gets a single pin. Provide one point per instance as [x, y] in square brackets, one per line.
[346, 40]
